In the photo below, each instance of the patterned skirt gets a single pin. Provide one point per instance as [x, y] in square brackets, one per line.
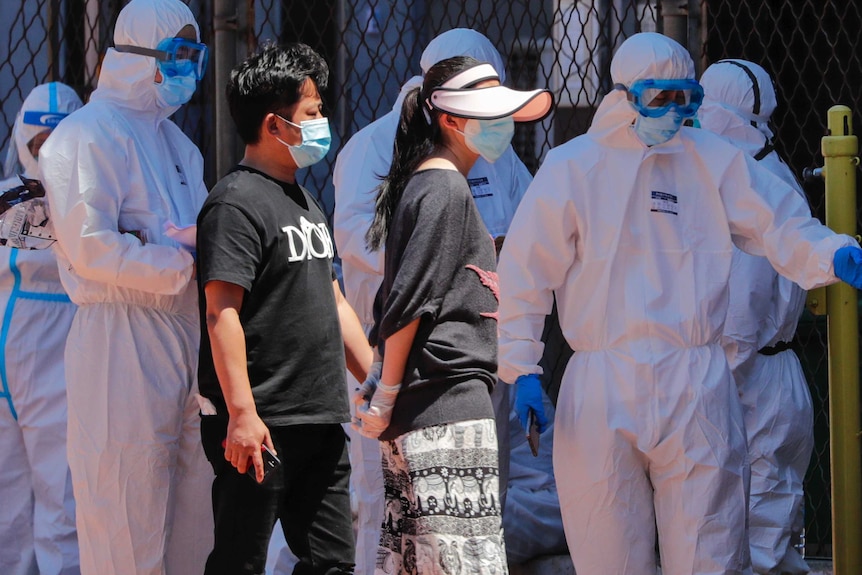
[442, 503]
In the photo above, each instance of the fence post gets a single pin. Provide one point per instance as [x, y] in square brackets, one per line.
[840, 150]
[674, 20]
[685, 22]
[224, 54]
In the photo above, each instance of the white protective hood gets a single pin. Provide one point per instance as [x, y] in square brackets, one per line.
[455, 42]
[128, 79]
[462, 42]
[641, 57]
[738, 100]
[50, 98]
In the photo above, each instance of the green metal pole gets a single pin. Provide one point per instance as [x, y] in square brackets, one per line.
[840, 149]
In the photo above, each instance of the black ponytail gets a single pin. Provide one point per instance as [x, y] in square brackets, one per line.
[414, 141]
[417, 136]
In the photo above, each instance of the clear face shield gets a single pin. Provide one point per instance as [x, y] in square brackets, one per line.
[175, 56]
[655, 98]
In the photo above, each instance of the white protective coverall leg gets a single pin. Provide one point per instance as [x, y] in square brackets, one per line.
[37, 516]
[497, 189]
[636, 244]
[116, 172]
[764, 307]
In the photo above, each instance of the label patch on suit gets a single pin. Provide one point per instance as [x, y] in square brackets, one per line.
[664, 203]
[480, 187]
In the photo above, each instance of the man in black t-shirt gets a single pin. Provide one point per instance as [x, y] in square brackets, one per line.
[276, 330]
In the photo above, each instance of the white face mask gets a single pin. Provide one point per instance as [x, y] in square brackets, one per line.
[489, 138]
[653, 131]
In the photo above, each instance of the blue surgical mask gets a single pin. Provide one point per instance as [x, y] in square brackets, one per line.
[653, 131]
[175, 91]
[489, 138]
[316, 139]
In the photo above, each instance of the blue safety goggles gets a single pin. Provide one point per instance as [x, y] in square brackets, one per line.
[655, 98]
[175, 56]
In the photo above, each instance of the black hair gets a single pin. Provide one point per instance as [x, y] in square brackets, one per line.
[270, 81]
[417, 136]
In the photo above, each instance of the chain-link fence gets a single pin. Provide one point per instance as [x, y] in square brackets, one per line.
[812, 49]
[810, 46]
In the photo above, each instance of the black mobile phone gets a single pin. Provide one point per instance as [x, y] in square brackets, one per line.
[533, 433]
[270, 463]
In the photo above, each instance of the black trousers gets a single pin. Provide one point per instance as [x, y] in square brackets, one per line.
[309, 493]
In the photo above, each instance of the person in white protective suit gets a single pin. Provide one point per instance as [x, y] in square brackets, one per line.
[632, 226]
[121, 179]
[738, 101]
[497, 189]
[37, 517]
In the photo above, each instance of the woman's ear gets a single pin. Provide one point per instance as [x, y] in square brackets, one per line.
[451, 122]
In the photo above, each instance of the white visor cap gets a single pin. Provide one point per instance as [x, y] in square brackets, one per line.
[457, 98]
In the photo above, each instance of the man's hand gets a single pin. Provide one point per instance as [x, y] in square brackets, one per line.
[363, 394]
[246, 432]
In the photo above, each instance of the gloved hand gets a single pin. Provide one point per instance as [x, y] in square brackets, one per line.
[847, 263]
[373, 419]
[362, 394]
[528, 397]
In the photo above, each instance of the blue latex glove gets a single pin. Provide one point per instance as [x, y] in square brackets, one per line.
[847, 263]
[528, 397]
[362, 395]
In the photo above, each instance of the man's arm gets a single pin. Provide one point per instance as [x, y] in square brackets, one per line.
[245, 431]
[357, 353]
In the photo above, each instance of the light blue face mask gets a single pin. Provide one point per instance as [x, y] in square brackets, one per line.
[176, 90]
[653, 131]
[489, 138]
[316, 139]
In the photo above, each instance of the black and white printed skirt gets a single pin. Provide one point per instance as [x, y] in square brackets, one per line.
[443, 513]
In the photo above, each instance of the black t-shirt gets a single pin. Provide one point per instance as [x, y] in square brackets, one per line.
[440, 266]
[272, 239]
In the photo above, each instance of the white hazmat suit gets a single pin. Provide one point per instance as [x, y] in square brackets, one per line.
[636, 243]
[37, 516]
[116, 172]
[764, 307]
[497, 189]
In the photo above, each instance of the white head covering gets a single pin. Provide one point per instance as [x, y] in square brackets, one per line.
[644, 56]
[127, 78]
[462, 42]
[738, 101]
[51, 101]
[455, 42]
